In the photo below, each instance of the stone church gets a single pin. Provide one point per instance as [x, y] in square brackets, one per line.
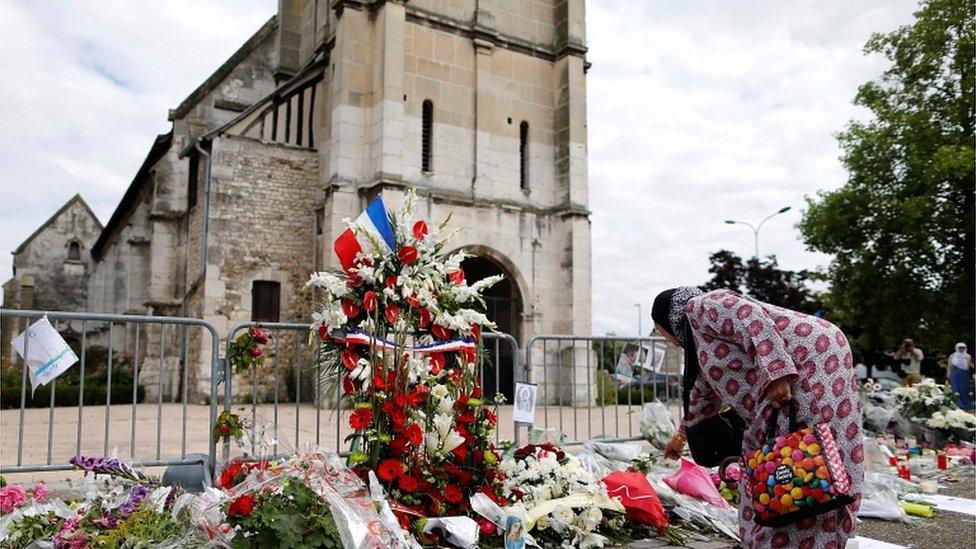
[480, 105]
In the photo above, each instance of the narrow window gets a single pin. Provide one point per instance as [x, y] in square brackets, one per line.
[191, 182]
[74, 251]
[524, 155]
[427, 137]
[265, 301]
[319, 220]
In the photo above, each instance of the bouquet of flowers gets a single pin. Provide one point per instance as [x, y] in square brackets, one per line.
[959, 422]
[923, 399]
[121, 507]
[400, 329]
[564, 502]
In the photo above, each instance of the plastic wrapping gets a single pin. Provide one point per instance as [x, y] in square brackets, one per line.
[693, 480]
[656, 424]
[876, 418]
[879, 499]
[692, 511]
[603, 458]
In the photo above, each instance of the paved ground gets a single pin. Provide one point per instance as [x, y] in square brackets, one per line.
[166, 432]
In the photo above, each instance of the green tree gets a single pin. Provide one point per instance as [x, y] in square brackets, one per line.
[901, 228]
[761, 279]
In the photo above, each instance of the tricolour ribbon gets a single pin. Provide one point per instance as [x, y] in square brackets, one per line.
[359, 337]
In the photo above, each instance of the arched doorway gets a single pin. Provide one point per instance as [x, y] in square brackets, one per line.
[503, 306]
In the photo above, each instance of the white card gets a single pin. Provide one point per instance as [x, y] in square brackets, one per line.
[48, 353]
[524, 411]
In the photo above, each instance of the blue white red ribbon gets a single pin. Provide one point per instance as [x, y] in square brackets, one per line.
[359, 337]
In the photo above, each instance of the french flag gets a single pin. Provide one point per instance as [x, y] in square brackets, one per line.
[373, 221]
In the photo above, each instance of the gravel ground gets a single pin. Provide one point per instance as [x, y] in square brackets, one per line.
[944, 529]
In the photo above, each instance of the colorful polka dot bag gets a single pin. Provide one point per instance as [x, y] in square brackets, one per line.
[796, 475]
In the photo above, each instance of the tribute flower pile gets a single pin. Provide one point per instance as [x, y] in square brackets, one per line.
[400, 328]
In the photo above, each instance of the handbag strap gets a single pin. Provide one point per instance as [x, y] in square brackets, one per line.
[774, 419]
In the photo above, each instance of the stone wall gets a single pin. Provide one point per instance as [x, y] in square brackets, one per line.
[262, 227]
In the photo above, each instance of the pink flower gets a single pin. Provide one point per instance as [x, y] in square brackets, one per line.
[259, 335]
[40, 492]
[11, 497]
[256, 352]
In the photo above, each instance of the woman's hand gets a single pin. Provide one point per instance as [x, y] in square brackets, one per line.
[675, 446]
[779, 393]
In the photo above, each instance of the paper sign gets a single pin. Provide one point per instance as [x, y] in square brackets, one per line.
[524, 411]
[868, 543]
[950, 503]
[47, 353]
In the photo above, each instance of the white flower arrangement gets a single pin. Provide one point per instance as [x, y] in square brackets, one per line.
[563, 496]
[953, 419]
[924, 399]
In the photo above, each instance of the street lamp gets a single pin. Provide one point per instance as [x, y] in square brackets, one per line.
[640, 326]
[755, 228]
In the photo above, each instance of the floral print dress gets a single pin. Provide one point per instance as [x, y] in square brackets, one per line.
[743, 345]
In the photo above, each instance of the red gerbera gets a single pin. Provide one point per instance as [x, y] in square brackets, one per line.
[453, 494]
[361, 418]
[242, 506]
[408, 483]
[229, 476]
[389, 469]
[414, 434]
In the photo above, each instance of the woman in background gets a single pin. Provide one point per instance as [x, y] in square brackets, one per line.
[960, 377]
[754, 357]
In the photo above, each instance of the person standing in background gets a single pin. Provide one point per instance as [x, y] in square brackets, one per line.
[960, 377]
[910, 357]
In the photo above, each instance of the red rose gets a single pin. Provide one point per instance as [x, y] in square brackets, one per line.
[350, 359]
[391, 281]
[256, 352]
[440, 332]
[323, 332]
[487, 527]
[242, 506]
[457, 277]
[437, 362]
[361, 418]
[392, 313]
[420, 230]
[407, 483]
[414, 434]
[389, 469]
[369, 301]
[350, 309]
[259, 335]
[224, 429]
[424, 319]
[407, 254]
[453, 494]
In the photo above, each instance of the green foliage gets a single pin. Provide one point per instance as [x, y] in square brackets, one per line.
[149, 527]
[297, 517]
[761, 279]
[68, 385]
[606, 389]
[28, 529]
[902, 228]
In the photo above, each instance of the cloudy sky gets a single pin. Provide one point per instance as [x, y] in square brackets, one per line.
[698, 112]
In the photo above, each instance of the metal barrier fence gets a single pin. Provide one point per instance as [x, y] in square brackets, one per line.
[295, 361]
[143, 352]
[585, 390]
[580, 376]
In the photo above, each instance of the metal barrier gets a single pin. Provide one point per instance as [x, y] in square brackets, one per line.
[132, 345]
[577, 375]
[295, 360]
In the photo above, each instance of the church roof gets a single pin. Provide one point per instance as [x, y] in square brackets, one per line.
[158, 149]
[76, 198]
[218, 76]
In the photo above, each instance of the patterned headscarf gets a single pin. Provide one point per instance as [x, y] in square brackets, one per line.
[668, 312]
